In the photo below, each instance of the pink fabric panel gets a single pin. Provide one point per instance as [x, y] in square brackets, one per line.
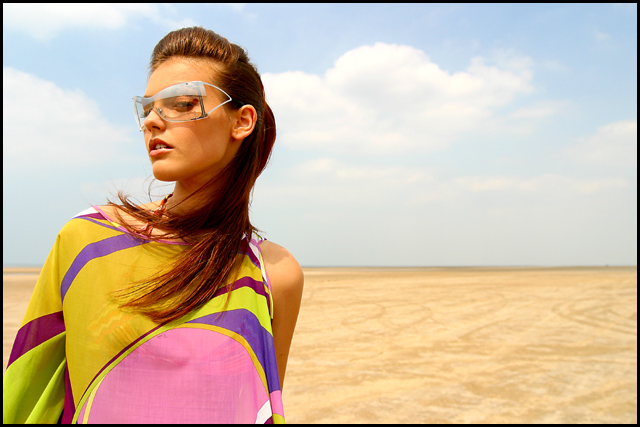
[276, 403]
[183, 375]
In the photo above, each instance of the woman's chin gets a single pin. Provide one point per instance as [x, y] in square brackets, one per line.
[164, 176]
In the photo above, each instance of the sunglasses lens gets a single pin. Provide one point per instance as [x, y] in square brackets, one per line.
[181, 107]
[178, 103]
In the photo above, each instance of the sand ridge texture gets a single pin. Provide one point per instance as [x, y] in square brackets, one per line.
[451, 345]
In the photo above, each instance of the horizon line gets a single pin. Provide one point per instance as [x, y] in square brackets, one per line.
[421, 266]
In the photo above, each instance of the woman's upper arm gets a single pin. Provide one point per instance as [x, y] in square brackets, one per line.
[287, 281]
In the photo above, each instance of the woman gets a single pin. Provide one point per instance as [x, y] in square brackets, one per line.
[173, 311]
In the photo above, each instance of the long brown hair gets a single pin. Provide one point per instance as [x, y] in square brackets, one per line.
[216, 229]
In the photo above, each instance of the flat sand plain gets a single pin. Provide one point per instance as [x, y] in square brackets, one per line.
[451, 345]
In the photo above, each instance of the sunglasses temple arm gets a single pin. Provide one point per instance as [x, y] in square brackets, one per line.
[204, 113]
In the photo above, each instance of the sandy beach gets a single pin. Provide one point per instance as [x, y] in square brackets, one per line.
[450, 345]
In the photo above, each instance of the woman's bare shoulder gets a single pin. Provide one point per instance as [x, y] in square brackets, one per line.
[285, 274]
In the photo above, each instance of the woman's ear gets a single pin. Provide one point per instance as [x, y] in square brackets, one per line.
[244, 123]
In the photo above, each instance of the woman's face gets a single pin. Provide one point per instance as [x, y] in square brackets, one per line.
[198, 149]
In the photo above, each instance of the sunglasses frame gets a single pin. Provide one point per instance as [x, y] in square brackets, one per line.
[199, 85]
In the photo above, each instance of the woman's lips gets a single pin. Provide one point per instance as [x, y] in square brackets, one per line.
[158, 147]
[159, 151]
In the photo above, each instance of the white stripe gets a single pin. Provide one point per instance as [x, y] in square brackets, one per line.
[87, 212]
[264, 413]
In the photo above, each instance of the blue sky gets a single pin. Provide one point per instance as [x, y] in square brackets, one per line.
[408, 135]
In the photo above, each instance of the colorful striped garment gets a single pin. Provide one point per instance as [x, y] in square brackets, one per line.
[79, 358]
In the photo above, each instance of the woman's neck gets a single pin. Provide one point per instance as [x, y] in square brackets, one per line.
[184, 199]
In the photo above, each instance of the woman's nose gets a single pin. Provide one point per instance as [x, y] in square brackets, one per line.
[153, 120]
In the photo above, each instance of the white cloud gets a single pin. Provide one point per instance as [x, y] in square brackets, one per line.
[391, 98]
[390, 210]
[332, 171]
[43, 21]
[614, 144]
[328, 183]
[540, 110]
[45, 127]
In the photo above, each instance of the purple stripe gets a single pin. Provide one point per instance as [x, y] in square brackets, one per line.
[35, 333]
[96, 250]
[259, 289]
[246, 324]
[245, 282]
[256, 262]
[69, 405]
[96, 215]
[252, 257]
[249, 282]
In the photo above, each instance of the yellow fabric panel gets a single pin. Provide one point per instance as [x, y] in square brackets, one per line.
[33, 385]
